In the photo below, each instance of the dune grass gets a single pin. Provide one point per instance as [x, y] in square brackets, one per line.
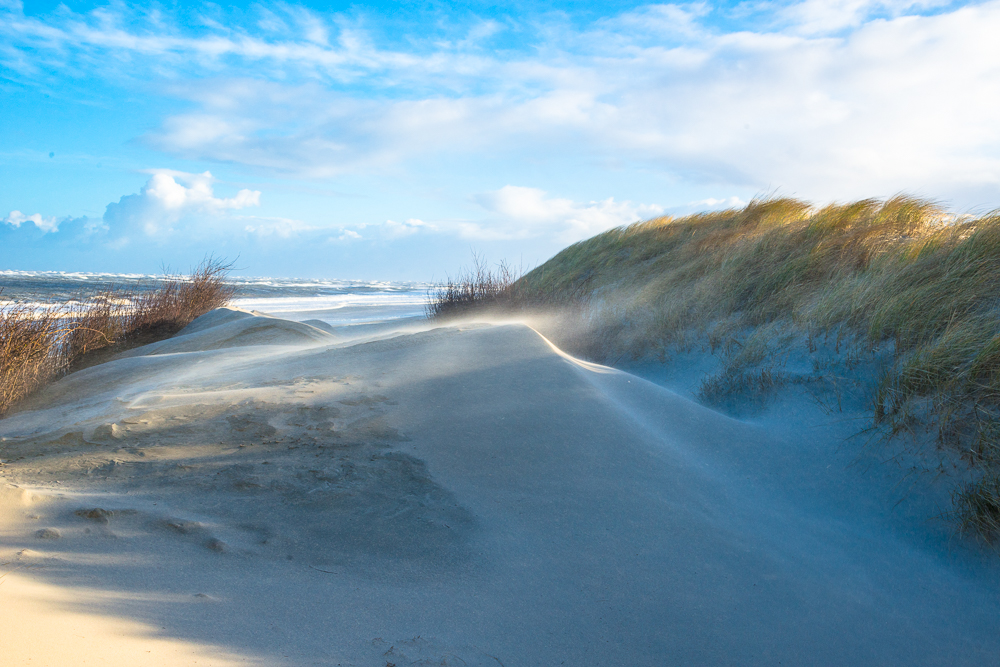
[37, 347]
[895, 288]
[885, 269]
[29, 357]
[121, 318]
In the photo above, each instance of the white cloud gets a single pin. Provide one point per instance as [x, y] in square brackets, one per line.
[16, 219]
[172, 197]
[347, 235]
[817, 17]
[280, 227]
[712, 202]
[897, 104]
[527, 212]
[389, 230]
[395, 230]
[824, 99]
[512, 213]
[663, 19]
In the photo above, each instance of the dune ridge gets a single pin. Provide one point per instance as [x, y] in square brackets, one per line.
[466, 494]
[882, 306]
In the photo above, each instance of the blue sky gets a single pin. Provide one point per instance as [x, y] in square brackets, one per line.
[388, 140]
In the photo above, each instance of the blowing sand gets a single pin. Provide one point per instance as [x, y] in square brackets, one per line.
[260, 491]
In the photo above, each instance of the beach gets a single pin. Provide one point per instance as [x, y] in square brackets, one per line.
[258, 490]
[512, 334]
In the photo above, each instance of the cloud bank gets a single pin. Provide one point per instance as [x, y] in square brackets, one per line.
[16, 219]
[170, 198]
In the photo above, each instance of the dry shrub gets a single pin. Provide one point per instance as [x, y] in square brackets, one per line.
[36, 347]
[477, 290]
[121, 318]
[29, 344]
[180, 301]
[98, 323]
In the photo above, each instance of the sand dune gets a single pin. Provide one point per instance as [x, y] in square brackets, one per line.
[259, 491]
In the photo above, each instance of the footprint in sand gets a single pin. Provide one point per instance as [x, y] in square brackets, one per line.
[183, 527]
[217, 545]
[96, 514]
[102, 516]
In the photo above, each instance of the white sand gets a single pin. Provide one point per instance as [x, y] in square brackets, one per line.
[259, 491]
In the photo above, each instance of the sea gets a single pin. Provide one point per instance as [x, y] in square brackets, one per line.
[336, 302]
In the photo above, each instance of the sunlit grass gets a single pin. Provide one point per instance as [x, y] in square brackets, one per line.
[30, 356]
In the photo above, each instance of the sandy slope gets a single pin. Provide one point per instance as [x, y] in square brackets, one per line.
[259, 491]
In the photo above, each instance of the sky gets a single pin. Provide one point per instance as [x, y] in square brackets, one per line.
[391, 141]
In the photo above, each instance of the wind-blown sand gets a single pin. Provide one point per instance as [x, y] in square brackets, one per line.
[260, 491]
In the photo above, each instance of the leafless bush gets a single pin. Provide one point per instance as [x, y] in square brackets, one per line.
[478, 289]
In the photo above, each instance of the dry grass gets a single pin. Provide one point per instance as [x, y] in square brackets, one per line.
[29, 357]
[773, 259]
[476, 290]
[892, 282]
[36, 348]
[121, 318]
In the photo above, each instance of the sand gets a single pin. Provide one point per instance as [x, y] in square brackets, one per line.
[261, 491]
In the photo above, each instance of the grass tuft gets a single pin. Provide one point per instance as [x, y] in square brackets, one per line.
[29, 351]
[38, 347]
[977, 507]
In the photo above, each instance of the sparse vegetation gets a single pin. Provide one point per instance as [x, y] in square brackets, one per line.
[477, 290]
[977, 506]
[894, 300]
[39, 346]
[119, 319]
[29, 351]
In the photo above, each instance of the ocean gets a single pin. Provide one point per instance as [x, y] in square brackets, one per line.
[336, 302]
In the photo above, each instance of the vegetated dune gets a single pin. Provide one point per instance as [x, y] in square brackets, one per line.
[461, 495]
[888, 307]
[39, 346]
